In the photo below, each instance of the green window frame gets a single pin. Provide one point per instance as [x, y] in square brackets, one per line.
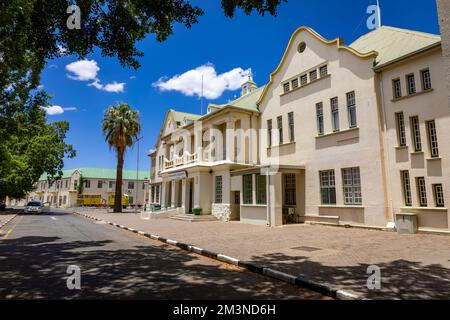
[327, 187]
[432, 139]
[335, 114]
[406, 185]
[289, 189]
[261, 194]
[415, 133]
[247, 189]
[422, 191]
[351, 181]
[438, 192]
[320, 121]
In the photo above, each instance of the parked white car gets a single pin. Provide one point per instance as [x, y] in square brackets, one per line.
[34, 207]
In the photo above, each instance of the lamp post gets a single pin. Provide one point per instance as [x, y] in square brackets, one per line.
[137, 176]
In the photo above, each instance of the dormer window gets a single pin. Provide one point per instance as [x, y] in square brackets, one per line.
[304, 79]
[295, 84]
[313, 75]
[323, 71]
[286, 87]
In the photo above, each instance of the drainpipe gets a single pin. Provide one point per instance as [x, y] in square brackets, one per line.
[387, 168]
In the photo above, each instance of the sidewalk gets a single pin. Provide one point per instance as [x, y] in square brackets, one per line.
[5, 217]
[412, 266]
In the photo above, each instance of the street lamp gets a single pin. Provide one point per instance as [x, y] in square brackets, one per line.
[137, 176]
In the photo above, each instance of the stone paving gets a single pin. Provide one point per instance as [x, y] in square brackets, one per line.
[4, 217]
[412, 266]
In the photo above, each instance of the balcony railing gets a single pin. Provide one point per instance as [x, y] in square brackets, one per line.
[189, 159]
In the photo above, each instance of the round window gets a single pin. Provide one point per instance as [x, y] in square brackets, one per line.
[301, 47]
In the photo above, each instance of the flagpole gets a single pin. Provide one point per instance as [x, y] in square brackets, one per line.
[379, 14]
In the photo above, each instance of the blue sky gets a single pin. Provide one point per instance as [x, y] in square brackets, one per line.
[228, 44]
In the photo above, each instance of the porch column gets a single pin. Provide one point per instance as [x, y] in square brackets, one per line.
[276, 199]
[229, 141]
[173, 200]
[184, 204]
[198, 140]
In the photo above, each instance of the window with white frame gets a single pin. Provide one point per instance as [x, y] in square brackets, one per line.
[397, 87]
[280, 129]
[351, 107]
[247, 189]
[327, 187]
[401, 132]
[406, 184]
[261, 196]
[334, 114]
[352, 186]
[294, 83]
[319, 116]
[411, 83]
[289, 189]
[415, 132]
[323, 70]
[438, 195]
[286, 87]
[218, 188]
[304, 79]
[291, 126]
[422, 191]
[432, 139]
[426, 79]
[313, 75]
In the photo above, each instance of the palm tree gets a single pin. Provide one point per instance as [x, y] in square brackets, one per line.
[120, 126]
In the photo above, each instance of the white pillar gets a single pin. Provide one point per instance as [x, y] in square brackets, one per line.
[230, 140]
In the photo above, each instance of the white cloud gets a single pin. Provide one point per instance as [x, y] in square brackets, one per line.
[87, 70]
[55, 110]
[83, 70]
[109, 87]
[214, 85]
[133, 78]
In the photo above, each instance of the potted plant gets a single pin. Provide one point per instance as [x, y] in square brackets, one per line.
[197, 211]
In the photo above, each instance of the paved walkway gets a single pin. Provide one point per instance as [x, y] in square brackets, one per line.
[412, 266]
[5, 217]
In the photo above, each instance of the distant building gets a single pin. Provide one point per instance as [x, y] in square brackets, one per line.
[340, 134]
[98, 182]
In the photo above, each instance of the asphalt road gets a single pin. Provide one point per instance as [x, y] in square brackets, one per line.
[36, 251]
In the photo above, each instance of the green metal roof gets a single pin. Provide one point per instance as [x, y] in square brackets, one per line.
[393, 43]
[247, 102]
[181, 116]
[102, 173]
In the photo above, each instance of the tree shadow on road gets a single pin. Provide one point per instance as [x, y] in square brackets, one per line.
[36, 267]
[400, 279]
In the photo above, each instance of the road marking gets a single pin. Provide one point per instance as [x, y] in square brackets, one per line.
[11, 230]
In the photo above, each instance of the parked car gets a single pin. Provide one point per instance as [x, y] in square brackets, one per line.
[34, 207]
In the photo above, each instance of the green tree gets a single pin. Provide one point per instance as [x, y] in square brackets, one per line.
[120, 126]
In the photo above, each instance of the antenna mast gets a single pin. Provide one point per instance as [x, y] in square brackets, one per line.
[379, 14]
[201, 99]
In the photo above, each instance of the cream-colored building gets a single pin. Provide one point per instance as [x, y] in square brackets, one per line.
[444, 23]
[340, 134]
[98, 182]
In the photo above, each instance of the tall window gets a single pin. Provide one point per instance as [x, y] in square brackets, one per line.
[352, 186]
[351, 106]
[422, 191]
[152, 189]
[426, 79]
[157, 193]
[130, 185]
[401, 133]
[218, 196]
[406, 184]
[323, 71]
[319, 115]
[269, 133]
[289, 189]
[247, 187]
[261, 197]
[87, 184]
[397, 87]
[415, 131]
[313, 75]
[438, 195]
[334, 114]
[291, 126]
[66, 184]
[327, 187]
[432, 139]
[112, 184]
[411, 82]
[280, 129]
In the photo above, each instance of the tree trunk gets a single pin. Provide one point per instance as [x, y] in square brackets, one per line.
[118, 195]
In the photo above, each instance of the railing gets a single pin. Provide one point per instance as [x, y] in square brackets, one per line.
[168, 164]
[179, 161]
[190, 158]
